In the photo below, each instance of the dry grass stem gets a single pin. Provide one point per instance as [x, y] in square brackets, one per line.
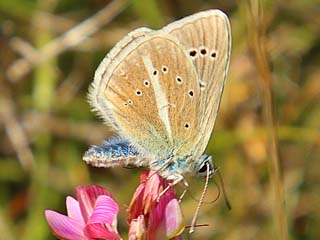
[257, 28]
[15, 133]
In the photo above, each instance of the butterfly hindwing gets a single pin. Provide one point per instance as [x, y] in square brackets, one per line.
[142, 97]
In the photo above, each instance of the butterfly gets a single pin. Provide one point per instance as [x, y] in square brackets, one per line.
[160, 90]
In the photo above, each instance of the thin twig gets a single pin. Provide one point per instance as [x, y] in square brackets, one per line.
[87, 132]
[16, 133]
[70, 39]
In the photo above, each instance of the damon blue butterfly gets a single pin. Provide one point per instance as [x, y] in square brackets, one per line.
[161, 91]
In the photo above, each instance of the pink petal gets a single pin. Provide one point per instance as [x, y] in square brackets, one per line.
[151, 191]
[73, 209]
[151, 185]
[65, 227]
[166, 219]
[100, 231]
[136, 204]
[137, 229]
[144, 175]
[87, 197]
[102, 223]
[105, 210]
[95, 191]
[174, 220]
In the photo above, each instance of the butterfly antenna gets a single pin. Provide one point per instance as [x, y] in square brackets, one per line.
[226, 200]
[205, 202]
[194, 220]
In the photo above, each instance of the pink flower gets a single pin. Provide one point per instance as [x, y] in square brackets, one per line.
[154, 213]
[151, 217]
[92, 216]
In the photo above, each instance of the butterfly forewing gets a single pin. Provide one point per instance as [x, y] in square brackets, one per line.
[152, 95]
[207, 41]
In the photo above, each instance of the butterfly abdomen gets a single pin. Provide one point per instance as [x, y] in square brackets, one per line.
[114, 152]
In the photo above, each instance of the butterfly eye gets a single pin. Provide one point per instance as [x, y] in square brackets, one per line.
[203, 169]
[213, 55]
[206, 163]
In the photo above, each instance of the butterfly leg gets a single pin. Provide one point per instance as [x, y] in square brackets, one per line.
[186, 186]
[175, 179]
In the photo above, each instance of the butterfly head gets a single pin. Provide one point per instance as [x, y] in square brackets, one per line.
[201, 167]
[182, 165]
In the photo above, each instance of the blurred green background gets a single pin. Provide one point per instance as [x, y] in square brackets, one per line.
[46, 123]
